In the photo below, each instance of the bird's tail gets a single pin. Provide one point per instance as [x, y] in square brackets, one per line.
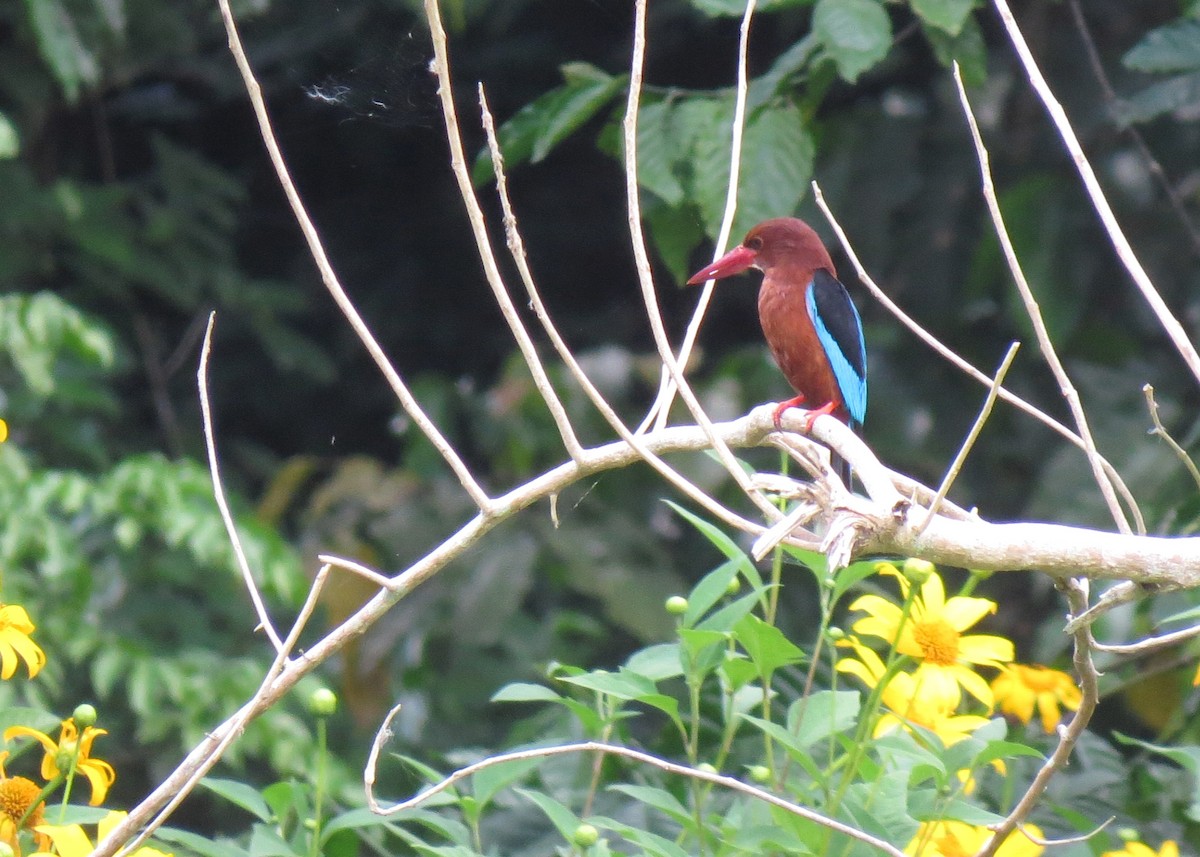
[842, 465]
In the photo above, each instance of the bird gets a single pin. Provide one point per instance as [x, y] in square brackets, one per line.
[808, 319]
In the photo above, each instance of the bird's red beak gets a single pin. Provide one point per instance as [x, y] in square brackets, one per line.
[734, 262]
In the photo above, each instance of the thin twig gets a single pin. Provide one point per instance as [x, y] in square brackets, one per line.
[1124, 249]
[660, 411]
[384, 734]
[965, 450]
[1089, 688]
[458, 163]
[646, 279]
[370, 575]
[946, 353]
[1065, 386]
[1111, 100]
[1160, 430]
[407, 401]
[245, 715]
[1150, 644]
[214, 469]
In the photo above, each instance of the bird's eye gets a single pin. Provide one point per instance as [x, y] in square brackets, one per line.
[754, 243]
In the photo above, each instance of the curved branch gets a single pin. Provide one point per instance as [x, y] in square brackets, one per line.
[1124, 249]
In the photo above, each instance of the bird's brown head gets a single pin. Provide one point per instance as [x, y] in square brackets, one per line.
[784, 242]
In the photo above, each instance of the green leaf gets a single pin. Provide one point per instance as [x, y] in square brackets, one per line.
[659, 151]
[659, 799]
[519, 691]
[1175, 47]
[776, 166]
[723, 542]
[712, 588]
[766, 645]
[239, 794]
[486, 783]
[10, 142]
[621, 685]
[967, 48]
[197, 844]
[851, 576]
[539, 126]
[797, 751]
[1175, 93]
[947, 15]
[857, 34]
[560, 816]
[728, 616]
[737, 8]
[931, 805]
[651, 844]
[825, 713]
[71, 62]
[657, 662]
[881, 809]
[1187, 758]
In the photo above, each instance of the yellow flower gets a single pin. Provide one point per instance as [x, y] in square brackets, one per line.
[71, 747]
[932, 633]
[958, 839]
[3, 431]
[911, 701]
[17, 795]
[70, 840]
[15, 643]
[1019, 688]
[1137, 849]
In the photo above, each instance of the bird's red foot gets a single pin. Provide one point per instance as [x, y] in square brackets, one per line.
[777, 415]
[825, 410]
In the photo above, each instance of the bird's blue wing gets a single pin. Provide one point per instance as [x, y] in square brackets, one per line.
[840, 332]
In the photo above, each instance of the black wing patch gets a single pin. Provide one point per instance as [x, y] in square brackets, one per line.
[840, 331]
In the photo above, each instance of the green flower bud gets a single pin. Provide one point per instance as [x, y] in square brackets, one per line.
[706, 767]
[84, 715]
[734, 586]
[760, 773]
[585, 836]
[677, 605]
[919, 570]
[323, 702]
[835, 633]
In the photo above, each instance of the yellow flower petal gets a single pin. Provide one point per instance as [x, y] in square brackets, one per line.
[101, 775]
[933, 595]
[985, 649]
[963, 612]
[69, 839]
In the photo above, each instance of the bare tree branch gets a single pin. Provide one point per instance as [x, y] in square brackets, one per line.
[384, 733]
[1111, 99]
[458, 163]
[210, 441]
[1069, 393]
[963, 451]
[411, 406]
[1068, 735]
[646, 278]
[660, 411]
[1124, 249]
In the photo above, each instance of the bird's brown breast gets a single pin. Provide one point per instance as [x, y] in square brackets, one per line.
[793, 340]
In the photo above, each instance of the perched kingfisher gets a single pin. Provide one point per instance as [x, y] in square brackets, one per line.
[808, 319]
